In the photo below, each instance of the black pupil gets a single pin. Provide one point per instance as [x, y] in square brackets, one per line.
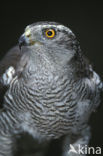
[49, 33]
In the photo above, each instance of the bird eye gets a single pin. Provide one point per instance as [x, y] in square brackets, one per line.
[50, 33]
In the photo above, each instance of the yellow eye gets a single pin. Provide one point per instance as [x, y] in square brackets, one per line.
[50, 33]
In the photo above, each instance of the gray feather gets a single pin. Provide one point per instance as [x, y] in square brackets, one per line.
[54, 89]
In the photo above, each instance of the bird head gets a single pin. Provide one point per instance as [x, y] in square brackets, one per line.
[55, 39]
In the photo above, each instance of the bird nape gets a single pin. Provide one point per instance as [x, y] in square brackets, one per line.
[51, 90]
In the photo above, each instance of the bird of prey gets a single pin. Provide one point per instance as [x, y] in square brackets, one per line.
[51, 89]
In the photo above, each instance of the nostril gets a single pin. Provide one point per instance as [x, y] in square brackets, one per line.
[28, 35]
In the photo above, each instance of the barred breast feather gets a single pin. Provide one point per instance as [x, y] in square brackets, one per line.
[51, 104]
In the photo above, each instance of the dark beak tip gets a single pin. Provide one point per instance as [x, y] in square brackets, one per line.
[21, 41]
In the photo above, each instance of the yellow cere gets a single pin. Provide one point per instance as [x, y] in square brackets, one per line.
[28, 33]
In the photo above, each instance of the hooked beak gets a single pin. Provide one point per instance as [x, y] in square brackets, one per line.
[22, 41]
[26, 39]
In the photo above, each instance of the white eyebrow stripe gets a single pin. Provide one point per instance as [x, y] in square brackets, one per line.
[47, 25]
[61, 27]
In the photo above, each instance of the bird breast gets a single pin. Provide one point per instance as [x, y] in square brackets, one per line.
[48, 99]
